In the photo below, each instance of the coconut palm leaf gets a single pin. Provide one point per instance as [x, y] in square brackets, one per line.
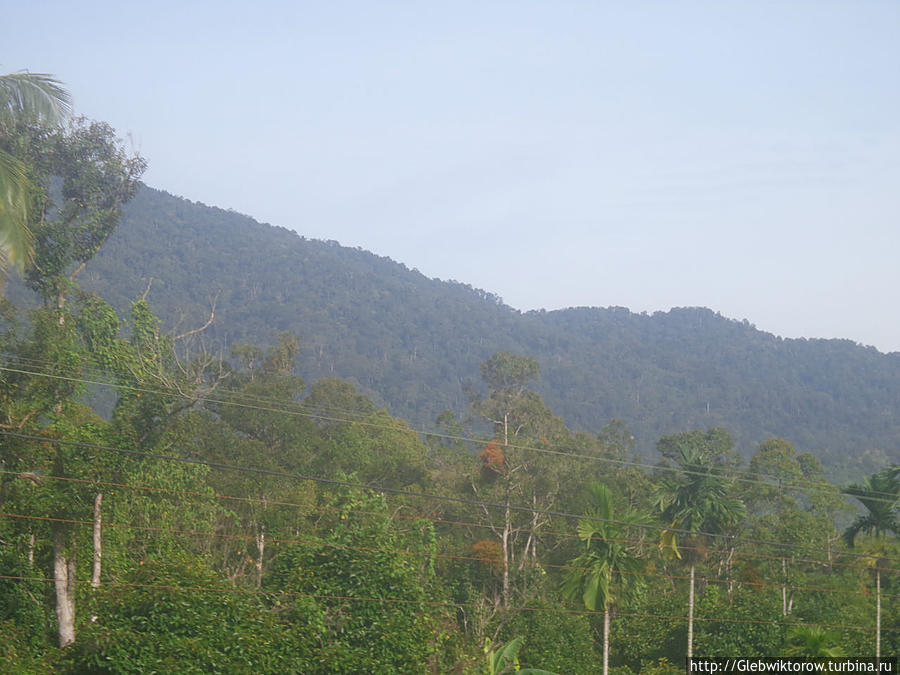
[15, 240]
[37, 97]
[33, 98]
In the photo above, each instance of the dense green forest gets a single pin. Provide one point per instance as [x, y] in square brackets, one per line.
[415, 344]
[225, 515]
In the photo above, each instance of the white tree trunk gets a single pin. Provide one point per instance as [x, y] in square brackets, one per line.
[730, 571]
[787, 599]
[690, 645]
[784, 610]
[98, 544]
[507, 527]
[64, 582]
[261, 549]
[507, 516]
[98, 541]
[606, 639]
[877, 613]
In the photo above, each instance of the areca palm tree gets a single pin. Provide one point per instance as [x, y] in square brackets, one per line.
[605, 572]
[29, 97]
[697, 504]
[880, 495]
[813, 641]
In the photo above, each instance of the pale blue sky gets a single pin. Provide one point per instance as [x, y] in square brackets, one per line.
[743, 156]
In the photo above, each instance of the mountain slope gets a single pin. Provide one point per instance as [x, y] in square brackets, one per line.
[415, 343]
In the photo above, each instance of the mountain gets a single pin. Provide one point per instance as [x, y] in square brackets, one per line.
[415, 344]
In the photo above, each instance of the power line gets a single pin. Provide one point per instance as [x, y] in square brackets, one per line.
[317, 541]
[781, 485]
[756, 478]
[410, 493]
[439, 603]
[174, 392]
[430, 518]
[266, 502]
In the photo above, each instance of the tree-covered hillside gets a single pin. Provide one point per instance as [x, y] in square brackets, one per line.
[415, 343]
[226, 515]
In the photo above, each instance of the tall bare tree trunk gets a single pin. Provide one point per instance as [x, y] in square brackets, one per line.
[504, 539]
[261, 549]
[690, 645]
[729, 569]
[507, 517]
[98, 541]
[784, 609]
[877, 613]
[98, 545]
[31, 549]
[64, 582]
[606, 639]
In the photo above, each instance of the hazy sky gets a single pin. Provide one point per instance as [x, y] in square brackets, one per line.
[743, 156]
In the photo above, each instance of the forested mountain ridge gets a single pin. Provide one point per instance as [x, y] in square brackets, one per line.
[416, 343]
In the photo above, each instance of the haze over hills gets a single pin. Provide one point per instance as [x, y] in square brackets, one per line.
[416, 344]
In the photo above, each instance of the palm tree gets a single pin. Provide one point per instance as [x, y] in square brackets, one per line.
[28, 97]
[880, 495]
[813, 641]
[605, 572]
[696, 503]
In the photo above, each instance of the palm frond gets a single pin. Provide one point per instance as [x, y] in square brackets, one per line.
[28, 97]
[882, 514]
[34, 96]
[861, 524]
[15, 237]
[668, 544]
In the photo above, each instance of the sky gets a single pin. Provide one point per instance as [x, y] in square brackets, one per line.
[742, 156]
